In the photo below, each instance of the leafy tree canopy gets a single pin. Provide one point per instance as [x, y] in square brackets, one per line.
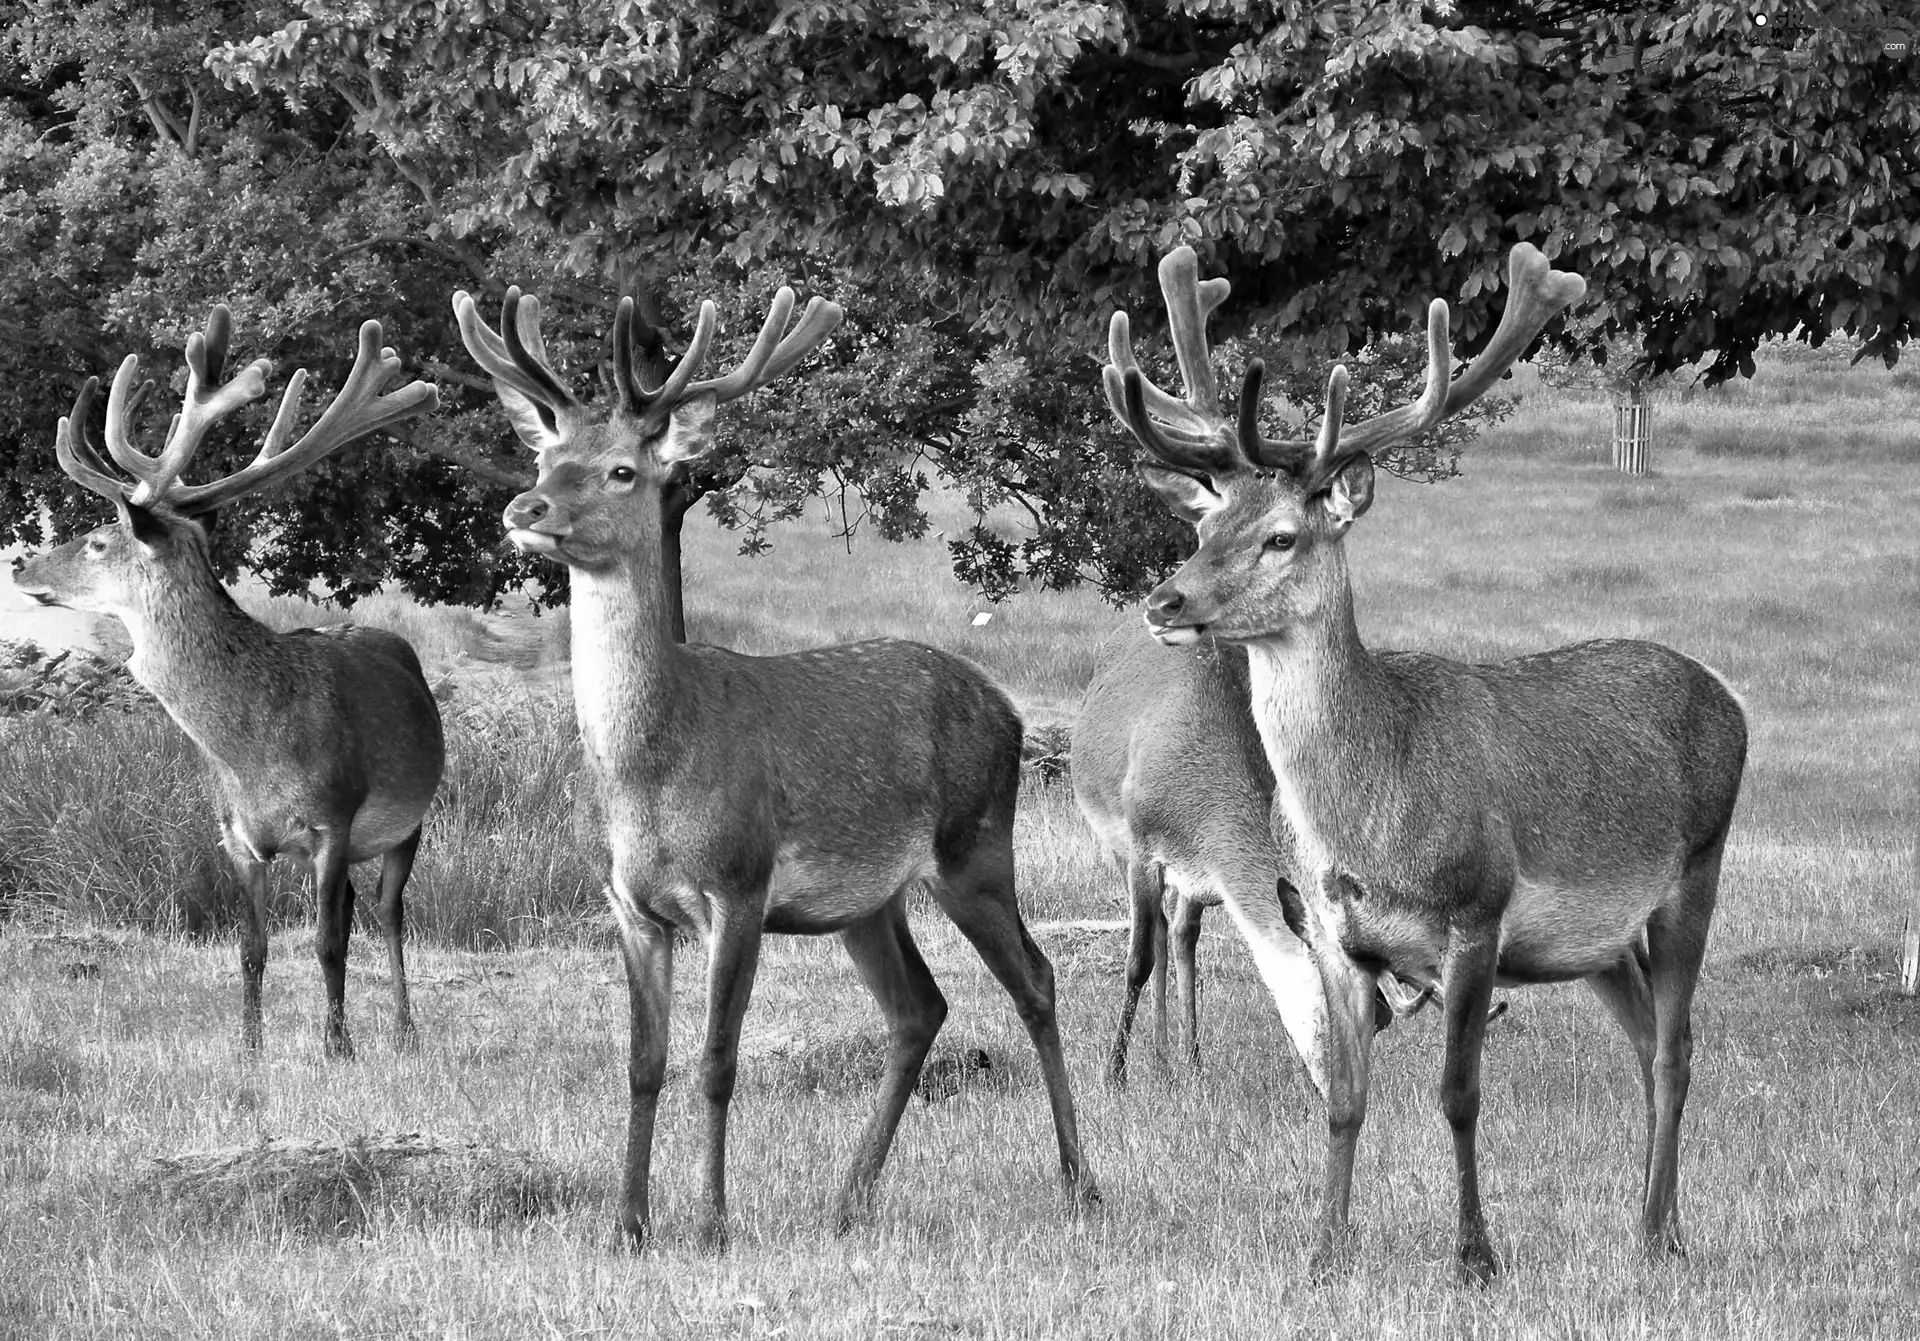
[979, 183]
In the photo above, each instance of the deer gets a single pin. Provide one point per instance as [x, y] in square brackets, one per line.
[324, 746]
[805, 794]
[1179, 799]
[1170, 775]
[1555, 817]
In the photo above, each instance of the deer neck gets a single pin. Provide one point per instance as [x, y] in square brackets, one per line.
[214, 667]
[1326, 713]
[628, 671]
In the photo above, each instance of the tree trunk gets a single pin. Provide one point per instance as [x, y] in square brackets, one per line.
[675, 503]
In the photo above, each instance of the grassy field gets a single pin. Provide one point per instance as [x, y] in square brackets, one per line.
[1776, 543]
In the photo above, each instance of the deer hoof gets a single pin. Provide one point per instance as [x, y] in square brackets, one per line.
[631, 1235]
[1476, 1264]
[1083, 1195]
[855, 1209]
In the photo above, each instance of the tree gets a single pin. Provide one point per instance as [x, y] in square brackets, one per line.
[981, 183]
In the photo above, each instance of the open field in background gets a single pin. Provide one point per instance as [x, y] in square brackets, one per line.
[1777, 543]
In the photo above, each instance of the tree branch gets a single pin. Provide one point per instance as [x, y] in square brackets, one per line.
[467, 458]
[165, 124]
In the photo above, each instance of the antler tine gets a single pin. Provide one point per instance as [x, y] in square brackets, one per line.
[673, 390]
[1328, 443]
[629, 380]
[1267, 453]
[1198, 456]
[1167, 408]
[1190, 436]
[743, 378]
[1189, 303]
[1536, 294]
[769, 358]
[77, 454]
[357, 410]
[1176, 436]
[818, 320]
[200, 408]
[520, 331]
[496, 357]
[1330, 453]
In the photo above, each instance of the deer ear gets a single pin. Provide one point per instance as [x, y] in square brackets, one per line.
[536, 424]
[689, 431]
[1351, 492]
[1189, 498]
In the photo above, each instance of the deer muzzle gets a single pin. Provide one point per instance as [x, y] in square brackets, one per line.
[535, 524]
[1167, 616]
[27, 584]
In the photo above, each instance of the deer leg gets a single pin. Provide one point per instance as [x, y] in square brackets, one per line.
[646, 951]
[1146, 946]
[979, 898]
[1676, 945]
[333, 902]
[1468, 987]
[395, 867]
[1628, 996]
[1185, 937]
[882, 949]
[1350, 992]
[253, 940]
[733, 955]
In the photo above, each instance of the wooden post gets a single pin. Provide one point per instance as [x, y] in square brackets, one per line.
[1633, 435]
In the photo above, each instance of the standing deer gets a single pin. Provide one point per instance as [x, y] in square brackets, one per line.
[324, 744]
[1171, 777]
[1170, 774]
[805, 793]
[1555, 817]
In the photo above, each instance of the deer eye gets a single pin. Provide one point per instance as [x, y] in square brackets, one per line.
[622, 475]
[1282, 541]
[96, 546]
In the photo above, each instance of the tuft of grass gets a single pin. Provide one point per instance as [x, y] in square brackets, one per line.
[280, 1188]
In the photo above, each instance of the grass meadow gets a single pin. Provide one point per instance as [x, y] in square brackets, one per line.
[1775, 542]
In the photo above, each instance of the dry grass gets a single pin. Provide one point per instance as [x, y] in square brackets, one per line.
[1793, 574]
[358, 1186]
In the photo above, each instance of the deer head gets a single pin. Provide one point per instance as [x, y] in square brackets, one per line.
[158, 542]
[1272, 514]
[597, 498]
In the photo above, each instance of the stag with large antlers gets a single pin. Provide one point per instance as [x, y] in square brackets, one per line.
[1555, 817]
[805, 793]
[324, 745]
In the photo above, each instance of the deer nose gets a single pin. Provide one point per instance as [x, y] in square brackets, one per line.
[1164, 603]
[528, 511]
